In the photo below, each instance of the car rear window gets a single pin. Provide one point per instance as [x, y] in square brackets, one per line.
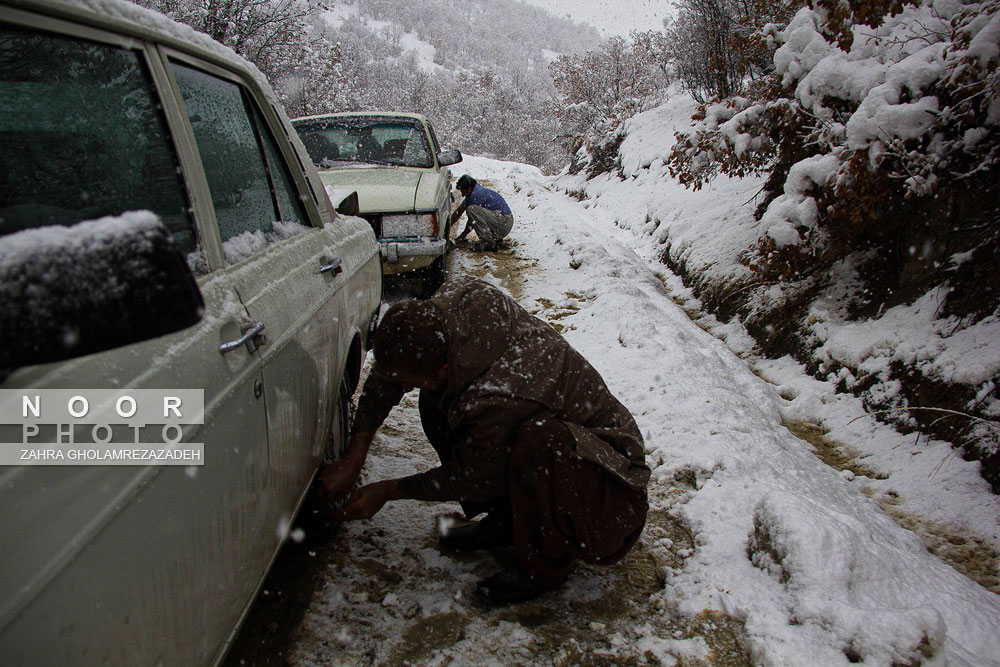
[82, 136]
[392, 141]
[256, 202]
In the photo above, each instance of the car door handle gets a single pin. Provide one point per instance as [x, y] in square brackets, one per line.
[335, 265]
[252, 338]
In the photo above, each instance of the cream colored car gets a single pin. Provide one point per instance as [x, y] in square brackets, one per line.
[395, 165]
[161, 227]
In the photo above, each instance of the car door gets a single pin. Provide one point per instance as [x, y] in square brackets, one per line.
[290, 273]
[128, 564]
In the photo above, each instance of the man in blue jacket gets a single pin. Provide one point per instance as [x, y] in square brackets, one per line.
[488, 213]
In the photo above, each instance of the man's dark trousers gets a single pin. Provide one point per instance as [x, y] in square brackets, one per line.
[561, 504]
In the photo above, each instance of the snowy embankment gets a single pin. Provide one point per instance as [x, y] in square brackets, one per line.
[817, 572]
[708, 229]
[918, 89]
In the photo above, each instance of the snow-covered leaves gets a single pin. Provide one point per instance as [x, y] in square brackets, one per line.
[895, 104]
[734, 137]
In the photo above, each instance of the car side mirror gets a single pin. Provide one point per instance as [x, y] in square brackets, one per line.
[446, 158]
[70, 291]
[344, 200]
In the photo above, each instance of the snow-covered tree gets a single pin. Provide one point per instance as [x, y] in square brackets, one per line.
[268, 33]
[316, 82]
[605, 86]
[716, 47]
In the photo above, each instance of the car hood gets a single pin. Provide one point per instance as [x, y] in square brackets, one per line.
[385, 189]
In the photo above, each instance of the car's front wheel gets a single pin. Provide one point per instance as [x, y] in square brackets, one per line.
[433, 277]
[340, 432]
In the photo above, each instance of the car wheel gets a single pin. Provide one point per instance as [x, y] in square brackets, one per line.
[432, 277]
[341, 431]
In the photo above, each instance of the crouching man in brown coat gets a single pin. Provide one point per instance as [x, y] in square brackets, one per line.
[525, 428]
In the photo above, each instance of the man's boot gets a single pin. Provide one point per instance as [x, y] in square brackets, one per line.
[495, 530]
[508, 587]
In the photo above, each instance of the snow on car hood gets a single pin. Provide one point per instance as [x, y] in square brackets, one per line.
[382, 189]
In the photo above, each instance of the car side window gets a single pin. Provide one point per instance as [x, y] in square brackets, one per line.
[415, 149]
[82, 136]
[250, 184]
[290, 205]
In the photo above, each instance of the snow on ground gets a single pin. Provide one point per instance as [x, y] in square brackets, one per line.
[783, 552]
[410, 43]
[424, 52]
[335, 15]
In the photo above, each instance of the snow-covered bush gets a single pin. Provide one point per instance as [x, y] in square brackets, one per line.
[878, 128]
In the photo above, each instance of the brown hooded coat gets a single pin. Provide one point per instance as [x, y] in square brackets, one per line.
[504, 368]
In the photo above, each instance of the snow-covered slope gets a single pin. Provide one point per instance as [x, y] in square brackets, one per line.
[814, 567]
[708, 230]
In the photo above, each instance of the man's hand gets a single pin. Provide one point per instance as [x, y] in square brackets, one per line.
[457, 215]
[339, 477]
[368, 500]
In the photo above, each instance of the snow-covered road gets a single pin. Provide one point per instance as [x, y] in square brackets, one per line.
[755, 552]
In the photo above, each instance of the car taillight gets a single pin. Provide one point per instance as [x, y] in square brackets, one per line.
[419, 224]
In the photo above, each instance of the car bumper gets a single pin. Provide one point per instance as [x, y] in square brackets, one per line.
[393, 252]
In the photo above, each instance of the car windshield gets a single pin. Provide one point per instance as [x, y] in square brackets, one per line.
[395, 141]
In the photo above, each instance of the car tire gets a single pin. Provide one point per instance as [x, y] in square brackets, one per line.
[433, 277]
[340, 431]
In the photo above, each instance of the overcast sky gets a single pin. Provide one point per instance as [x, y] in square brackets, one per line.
[611, 17]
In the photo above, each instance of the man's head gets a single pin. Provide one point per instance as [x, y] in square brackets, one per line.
[465, 185]
[410, 345]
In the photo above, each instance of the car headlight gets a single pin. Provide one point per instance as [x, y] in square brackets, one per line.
[411, 224]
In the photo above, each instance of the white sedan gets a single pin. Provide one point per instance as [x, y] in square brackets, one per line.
[161, 230]
[400, 173]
